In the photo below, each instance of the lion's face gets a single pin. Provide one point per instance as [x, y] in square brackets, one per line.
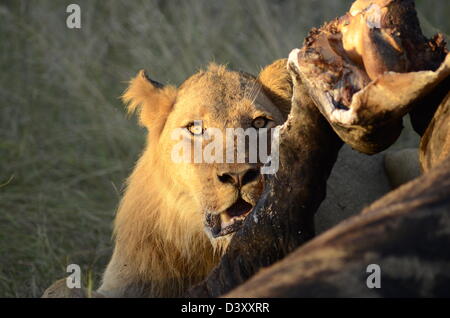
[219, 99]
[221, 193]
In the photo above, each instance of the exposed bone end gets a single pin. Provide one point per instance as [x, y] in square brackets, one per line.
[383, 52]
[362, 5]
[372, 36]
[362, 70]
[352, 29]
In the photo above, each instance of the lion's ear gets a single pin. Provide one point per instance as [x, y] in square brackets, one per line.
[277, 84]
[152, 100]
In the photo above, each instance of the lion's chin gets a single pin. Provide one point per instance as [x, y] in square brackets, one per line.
[230, 220]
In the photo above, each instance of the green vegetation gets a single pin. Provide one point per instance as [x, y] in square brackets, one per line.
[66, 145]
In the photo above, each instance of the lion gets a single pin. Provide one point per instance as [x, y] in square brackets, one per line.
[175, 220]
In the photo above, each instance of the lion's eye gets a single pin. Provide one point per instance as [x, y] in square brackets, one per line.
[260, 122]
[195, 129]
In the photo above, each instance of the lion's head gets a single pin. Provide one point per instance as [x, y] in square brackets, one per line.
[172, 211]
[221, 194]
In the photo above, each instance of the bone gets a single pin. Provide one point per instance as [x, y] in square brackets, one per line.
[369, 68]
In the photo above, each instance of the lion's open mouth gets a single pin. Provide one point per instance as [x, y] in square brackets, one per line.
[230, 220]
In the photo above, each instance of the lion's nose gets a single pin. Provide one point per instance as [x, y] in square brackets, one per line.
[239, 179]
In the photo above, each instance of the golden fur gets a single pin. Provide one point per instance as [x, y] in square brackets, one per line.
[161, 247]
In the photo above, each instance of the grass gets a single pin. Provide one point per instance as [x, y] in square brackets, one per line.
[65, 143]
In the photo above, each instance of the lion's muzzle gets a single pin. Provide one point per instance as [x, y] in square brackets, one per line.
[230, 220]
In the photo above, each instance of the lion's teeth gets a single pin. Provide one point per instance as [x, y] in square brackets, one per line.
[225, 220]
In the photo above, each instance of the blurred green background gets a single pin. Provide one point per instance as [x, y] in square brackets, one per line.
[66, 145]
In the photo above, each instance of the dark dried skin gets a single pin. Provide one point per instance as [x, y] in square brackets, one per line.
[349, 54]
[406, 233]
[284, 217]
